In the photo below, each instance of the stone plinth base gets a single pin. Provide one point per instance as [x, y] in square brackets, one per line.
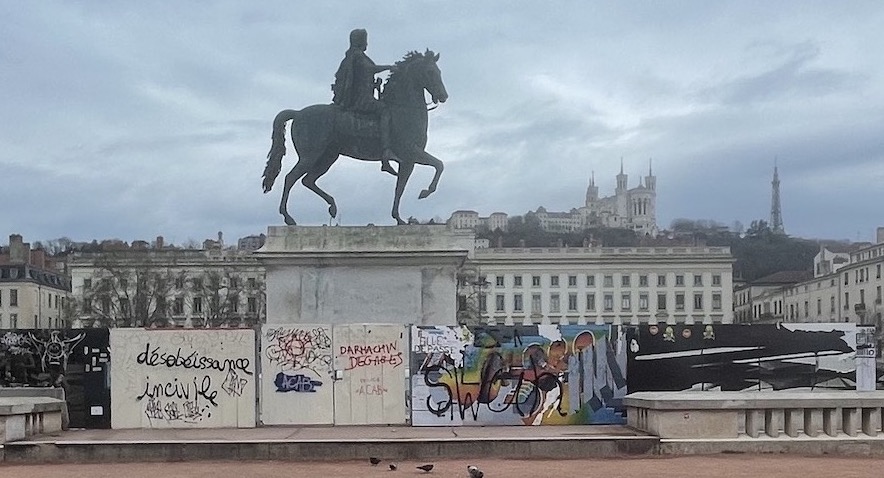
[372, 274]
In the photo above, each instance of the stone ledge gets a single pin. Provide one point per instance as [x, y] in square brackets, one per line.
[750, 400]
[345, 239]
[26, 405]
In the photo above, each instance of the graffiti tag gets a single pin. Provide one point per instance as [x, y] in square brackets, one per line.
[297, 349]
[154, 357]
[372, 355]
[181, 390]
[295, 383]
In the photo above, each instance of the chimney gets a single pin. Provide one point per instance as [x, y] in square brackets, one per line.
[880, 235]
[38, 258]
[159, 244]
[18, 250]
[220, 240]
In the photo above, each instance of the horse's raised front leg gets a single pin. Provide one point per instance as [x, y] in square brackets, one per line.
[309, 181]
[428, 159]
[405, 169]
[290, 179]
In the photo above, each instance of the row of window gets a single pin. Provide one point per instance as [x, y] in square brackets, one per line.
[795, 311]
[180, 282]
[196, 306]
[862, 275]
[55, 323]
[554, 302]
[607, 280]
[53, 301]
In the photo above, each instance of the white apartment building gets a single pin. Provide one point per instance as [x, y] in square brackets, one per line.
[464, 219]
[762, 300]
[606, 285]
[167, 287]
[33, 293]
[850, 292]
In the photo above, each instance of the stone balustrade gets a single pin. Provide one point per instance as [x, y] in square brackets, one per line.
[774, 414]
[23, 417]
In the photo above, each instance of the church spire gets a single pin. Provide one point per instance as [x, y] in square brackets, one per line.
[621, 179]
[592, 192]
[650, 179]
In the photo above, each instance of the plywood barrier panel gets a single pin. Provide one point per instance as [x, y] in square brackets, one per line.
[735, 357]
[518, 375]
[75, 360]
[297, 378]
[183, 378]
[370, 363]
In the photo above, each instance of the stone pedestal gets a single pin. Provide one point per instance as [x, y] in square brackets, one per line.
[371, 274]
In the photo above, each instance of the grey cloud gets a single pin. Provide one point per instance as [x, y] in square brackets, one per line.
[795, 77]
[133, 120]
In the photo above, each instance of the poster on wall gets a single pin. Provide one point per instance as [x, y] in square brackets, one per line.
[297, 378]
[734, 357]
[517, 375]
[73, 359]
[183, 378]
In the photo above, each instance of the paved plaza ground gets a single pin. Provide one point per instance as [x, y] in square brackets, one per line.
[732, 466]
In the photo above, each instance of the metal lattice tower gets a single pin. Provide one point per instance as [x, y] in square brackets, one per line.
[776, 212]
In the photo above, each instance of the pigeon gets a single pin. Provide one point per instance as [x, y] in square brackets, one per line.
[374, 461]
[475, 472]
[426, 467]
[393, 467]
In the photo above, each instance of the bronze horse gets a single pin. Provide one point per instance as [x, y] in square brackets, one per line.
[321, 133]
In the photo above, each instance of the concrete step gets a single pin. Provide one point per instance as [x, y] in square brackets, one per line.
[338, 449]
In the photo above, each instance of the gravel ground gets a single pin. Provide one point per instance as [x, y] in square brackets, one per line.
[749, 466]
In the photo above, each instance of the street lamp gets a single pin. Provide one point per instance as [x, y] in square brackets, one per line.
[471, 300]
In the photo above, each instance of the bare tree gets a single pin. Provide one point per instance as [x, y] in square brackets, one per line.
[217, 297]
[128, 295]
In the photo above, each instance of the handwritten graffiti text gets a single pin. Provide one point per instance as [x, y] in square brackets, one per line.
[295, 383]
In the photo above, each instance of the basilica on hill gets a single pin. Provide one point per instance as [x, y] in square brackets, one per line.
[633, 209]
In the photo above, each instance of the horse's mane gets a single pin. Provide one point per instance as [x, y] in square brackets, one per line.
[403, 64]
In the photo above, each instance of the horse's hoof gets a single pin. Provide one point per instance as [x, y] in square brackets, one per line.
[389, 169]
[333, 210]
[400, 222]
[424, 193]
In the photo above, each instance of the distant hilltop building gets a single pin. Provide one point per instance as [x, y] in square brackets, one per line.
[465, 219]
[634, 209]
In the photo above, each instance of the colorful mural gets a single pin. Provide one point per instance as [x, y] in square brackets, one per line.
[517, 375]
[75, 360]
[734, 357]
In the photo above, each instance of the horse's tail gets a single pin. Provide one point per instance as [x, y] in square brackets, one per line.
[277, 148]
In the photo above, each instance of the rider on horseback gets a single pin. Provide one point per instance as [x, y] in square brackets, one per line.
[354, 90]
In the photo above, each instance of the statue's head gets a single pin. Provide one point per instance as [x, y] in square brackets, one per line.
[359, 39]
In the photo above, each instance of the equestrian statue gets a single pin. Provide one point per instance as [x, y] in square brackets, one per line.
[392, 127]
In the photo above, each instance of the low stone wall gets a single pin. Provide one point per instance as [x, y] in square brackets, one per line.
[786, 414]
[51, 392]
[23, 417]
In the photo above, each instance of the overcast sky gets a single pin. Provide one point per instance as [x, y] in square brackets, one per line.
[132, 119]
